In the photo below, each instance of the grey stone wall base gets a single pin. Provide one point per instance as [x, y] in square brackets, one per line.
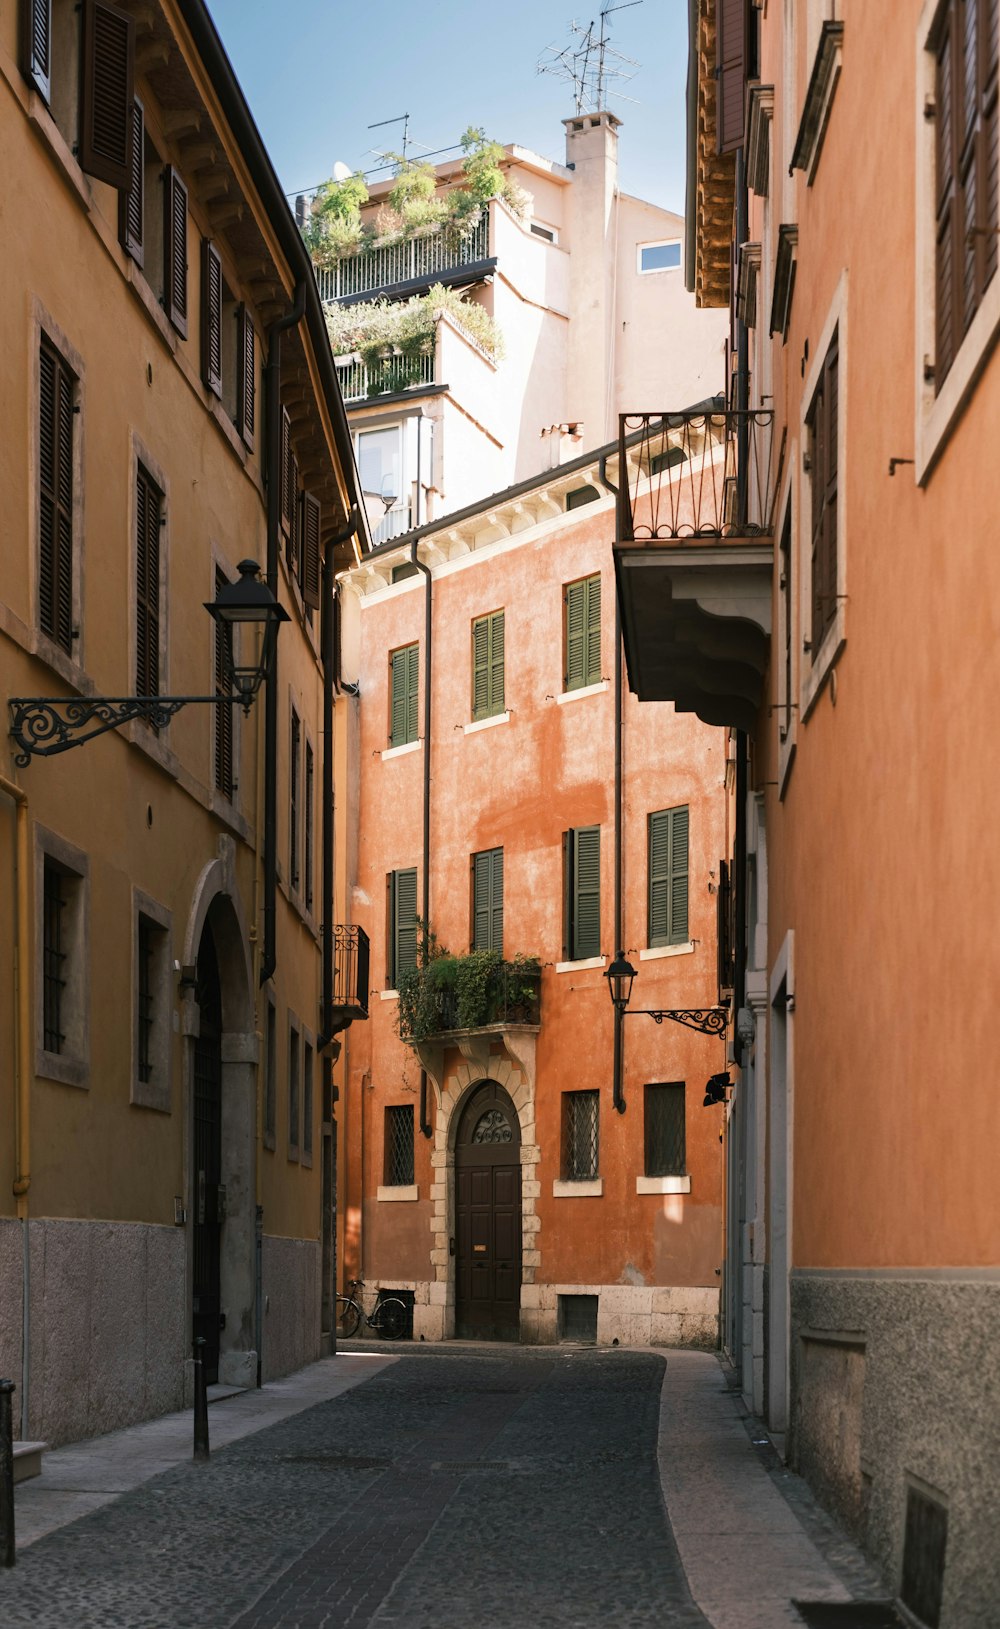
[291, 1272]
[238, 1369]
[897, 1382]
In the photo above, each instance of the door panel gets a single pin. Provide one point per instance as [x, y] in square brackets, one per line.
[488, 1222]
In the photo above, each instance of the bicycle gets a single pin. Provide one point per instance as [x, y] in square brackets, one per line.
[389, 1318]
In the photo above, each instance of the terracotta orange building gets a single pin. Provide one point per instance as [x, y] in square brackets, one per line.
[496, 1167]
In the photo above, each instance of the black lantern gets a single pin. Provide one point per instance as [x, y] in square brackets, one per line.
[619, 976]
[248, 602]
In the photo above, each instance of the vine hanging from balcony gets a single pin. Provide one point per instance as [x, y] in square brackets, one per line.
[448, 992]
[336, 228]
[375, 329]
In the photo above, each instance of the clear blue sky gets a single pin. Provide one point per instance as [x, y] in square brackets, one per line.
[317, 72]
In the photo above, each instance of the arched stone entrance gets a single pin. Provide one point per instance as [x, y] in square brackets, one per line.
[487, 1213]
[221, 1096]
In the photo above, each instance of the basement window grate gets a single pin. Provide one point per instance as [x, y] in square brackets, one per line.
[578, 1317]
[924, 1543]
[849, 1614]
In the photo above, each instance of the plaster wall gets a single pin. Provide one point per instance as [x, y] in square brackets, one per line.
[649, 377]
[291, 1322]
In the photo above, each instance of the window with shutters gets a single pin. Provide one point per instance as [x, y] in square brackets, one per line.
[735, 37]
[211, 317]
[294, 1066]
[580, 1136]
[175, 261]
[148, 522]
[582, 893]
[246, 342]
[398, 1165]
[582, 633]
[404, 687]
[294, 800]
[401, 934]
[79, 57]
[154, 237]
[487, 900]
[307, 1102]
[488, 665]
[823, 439]
[132, 198]
[667, 839]
[966, 43]
[153, 1004]
[271, 1077]
[308, 820]
[57, 409]
[663, 1127]
[225, 781]
[310, 562]
[62, 996]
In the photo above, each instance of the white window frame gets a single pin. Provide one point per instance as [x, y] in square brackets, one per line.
[658, 243]
[815, 666]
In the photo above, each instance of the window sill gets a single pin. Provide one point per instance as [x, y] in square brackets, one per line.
[61, 662]
[826, 660]
[270, 1141]
[399, 752]
[584, 690]
[663, 1184]
[388, 995]
[65, 1071]
[656, 951]
[938, 415]
[591, 1188]
[153, 745]
[390, 1194]
[486, 723]
[581, 966]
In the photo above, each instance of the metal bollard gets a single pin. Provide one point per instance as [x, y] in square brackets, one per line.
[7, 1557]
[200, 1402]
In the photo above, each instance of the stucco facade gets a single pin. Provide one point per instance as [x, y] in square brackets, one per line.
[132, 937]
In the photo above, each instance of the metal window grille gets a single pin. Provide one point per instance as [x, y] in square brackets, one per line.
[399, 1145]
[53, 958]
[664, 1120]
[581, 1140]
[145, 998]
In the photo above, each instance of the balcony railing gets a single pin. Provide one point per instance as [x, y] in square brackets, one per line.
[350, 974]
[414, 259]
[394, 524]
[696, 475]
[359, 382]
[433, 1002]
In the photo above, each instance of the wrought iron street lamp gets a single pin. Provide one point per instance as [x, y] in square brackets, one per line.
[620, 976]
[45, 725]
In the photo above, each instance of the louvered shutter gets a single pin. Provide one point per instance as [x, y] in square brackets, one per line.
[286, 475]
[496, 903]
[497, 662]
[659, 877]
[412, 691]
[211, 317]
[36, 45]
[245, 385]
[593, 596]
[576, 635]
[106, 92]
[677, 928]
[481, 668]
[311, 564]
[587, 892]
[945, 209]
[405, 689]
[55, 566]
[482, 883]
[175, 200]
[130, 199]
[731, 45]
[147, 534]
[404, 922]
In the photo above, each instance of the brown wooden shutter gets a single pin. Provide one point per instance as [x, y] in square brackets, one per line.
[731, 46]
[223, 711]
[311, 563]
[55, 434]
[175, 199]
[36, 44]
[106, 92]
[130, 199]
[245, 365]
[286, 472]
[147, 596]
[211, 317]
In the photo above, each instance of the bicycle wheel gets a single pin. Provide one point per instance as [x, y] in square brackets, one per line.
[390, 1318]
[348, 1317]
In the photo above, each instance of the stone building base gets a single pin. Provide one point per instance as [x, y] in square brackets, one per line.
[291, 1273]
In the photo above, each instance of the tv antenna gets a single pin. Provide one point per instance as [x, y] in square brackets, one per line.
[404, 120]
[590, 62]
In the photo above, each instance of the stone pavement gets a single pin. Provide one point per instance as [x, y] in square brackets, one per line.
[457, 1486]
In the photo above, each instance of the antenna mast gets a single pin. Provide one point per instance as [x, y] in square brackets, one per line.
[590, 63]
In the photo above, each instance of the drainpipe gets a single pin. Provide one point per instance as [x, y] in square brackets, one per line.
[22, 1074]
[272, 408]
[331, 684]
[425, 1125]
[618, 1067]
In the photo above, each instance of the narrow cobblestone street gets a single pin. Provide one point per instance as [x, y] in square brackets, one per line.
[450, 1489]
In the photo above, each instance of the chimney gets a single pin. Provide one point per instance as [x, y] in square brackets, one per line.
[592, 155]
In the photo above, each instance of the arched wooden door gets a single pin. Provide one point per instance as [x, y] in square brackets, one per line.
[488, 1218]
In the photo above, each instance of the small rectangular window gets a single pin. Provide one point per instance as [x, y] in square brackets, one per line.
[271, 1077]
[546, 232]
[56, 410]
[54, 957]
[582, 893]
[581, 1136]
[580, 496]
[144, 997]
[582, 633]
[402, 925]
[658, 257]
[148, 519]
[293, 1092]
[307, 1101]
[398, 1168]
[487, 900]
[62, 975]
[663, 1115]
[405, 686]
[488, 665]
[667, 839]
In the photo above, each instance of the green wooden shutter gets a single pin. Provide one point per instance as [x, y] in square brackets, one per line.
[593, 592]
[678, 928]
[497, 662]
[481, 668]
[487, 900]
[412, 690]
[496, 924]
[668, 877]
[404, 922]
[576, 635]
[586, 892]
[397, 727]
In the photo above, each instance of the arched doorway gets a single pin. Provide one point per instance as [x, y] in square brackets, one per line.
[206, 1172]
[488, 1217]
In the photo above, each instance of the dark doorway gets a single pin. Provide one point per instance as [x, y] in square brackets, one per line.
[488, 1218]
[207, 1167]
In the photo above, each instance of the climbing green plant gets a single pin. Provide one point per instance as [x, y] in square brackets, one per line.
[373, 327]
